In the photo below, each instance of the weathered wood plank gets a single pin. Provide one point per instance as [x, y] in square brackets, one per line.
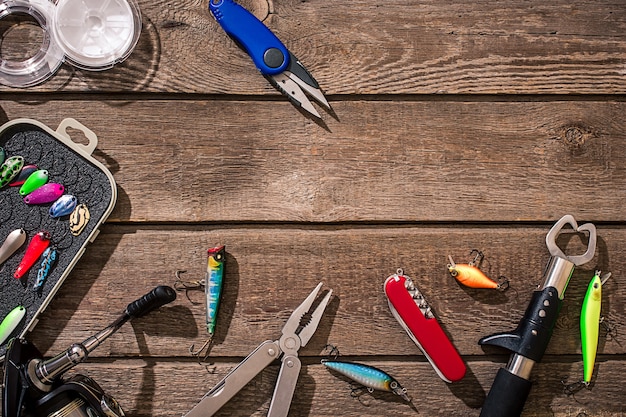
[155, 388]
[214, 161]
[270, 270]
[359, 47]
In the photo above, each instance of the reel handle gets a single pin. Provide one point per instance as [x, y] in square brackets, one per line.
[43, 373]
[156, 298]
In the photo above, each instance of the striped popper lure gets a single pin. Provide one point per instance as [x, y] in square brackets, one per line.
[213, 285]
[471, 276]
[213, 281]
[590, 324]
[368, 376]
[10, 322]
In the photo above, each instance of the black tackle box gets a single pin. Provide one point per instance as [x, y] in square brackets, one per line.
[70, 164]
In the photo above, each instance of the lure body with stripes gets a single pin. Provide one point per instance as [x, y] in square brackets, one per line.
[10, 322]
[370, 377]
[49, 257]
[213, 285]
[590, 325]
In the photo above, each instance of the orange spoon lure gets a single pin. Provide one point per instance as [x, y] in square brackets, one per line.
[471, 276]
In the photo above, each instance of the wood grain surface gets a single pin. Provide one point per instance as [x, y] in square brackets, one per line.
[455, 126]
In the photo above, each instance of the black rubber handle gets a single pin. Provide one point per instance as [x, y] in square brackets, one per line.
[507, 395]
[156, 298]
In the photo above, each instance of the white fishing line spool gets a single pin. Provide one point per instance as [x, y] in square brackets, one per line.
[92, 35]
[48, 57]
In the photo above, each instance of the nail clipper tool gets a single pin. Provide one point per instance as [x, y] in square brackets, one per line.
[529, 341]
[409, 307]
[295, 334]
[281, 68]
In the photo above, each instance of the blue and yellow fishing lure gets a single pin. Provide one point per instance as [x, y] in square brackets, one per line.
[370, 377]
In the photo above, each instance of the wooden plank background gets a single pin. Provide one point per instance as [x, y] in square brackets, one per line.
[456, 125]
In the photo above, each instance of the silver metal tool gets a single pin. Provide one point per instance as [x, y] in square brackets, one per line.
[296, 333]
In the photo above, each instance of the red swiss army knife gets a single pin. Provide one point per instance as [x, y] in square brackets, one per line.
[409, 307]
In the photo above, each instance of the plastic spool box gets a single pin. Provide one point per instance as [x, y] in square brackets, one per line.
[88, 34]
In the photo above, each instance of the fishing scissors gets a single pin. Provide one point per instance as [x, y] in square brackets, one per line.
[275, 62]
[296, 333]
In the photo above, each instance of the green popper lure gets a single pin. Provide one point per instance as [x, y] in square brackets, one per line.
[370, 377]
[590, 324]
[10, 322]
[212, 282]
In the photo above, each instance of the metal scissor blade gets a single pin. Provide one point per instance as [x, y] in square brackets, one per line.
[236, 379]
[290, 88]
[303, 77]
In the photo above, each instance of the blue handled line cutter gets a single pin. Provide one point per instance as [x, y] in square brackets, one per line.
[271, 57]
[296, 333]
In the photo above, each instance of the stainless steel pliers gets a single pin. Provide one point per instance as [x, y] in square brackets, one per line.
[296, 333]
[281, 68]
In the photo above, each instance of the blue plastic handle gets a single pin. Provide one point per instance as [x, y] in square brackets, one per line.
[269, 54]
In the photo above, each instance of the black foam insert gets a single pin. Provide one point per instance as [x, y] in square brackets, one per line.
[82, 179]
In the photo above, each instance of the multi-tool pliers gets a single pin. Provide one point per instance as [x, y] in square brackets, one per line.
[296, 333]
[270, 56]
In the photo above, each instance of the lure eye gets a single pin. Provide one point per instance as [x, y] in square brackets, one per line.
[596, 285]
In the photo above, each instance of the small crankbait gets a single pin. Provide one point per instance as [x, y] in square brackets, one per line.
[47, 193]
[34, 181]
[79, 219]
[49, 257]
[471, 276]
[11, 244]
[10, 322]
[25, 172]
[370, 377]
[213, 281]
[38, 244]
[590, 324]
[63, 206]
[9, 169]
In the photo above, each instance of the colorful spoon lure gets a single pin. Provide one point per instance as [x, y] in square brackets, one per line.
[48, 259]
[34, 181]
[10, 322]
[63, 206]
[79, 219]
[20, 178]
[9, 169]
[12, 243]
[590, 324]
[38, 244]
[368, 376]
[47, 193]
[471, 276]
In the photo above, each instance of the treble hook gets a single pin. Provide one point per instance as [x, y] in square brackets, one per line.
[197, 352]
[182, 285]
[477, 259]
[573, 388]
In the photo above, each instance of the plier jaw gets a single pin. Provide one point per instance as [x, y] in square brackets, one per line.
[281, 68]
[296, 333]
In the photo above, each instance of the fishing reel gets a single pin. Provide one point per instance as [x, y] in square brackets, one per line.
[34, 387]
